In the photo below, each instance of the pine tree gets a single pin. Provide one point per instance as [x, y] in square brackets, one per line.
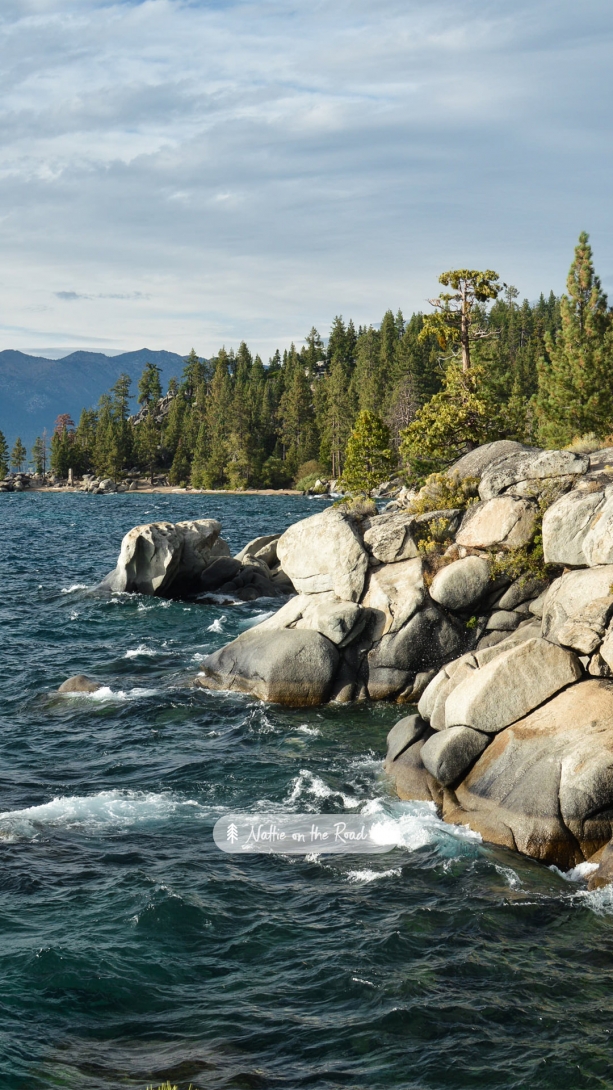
[18, 455]
[216, 427]
[297, 426]
[149, 385]
[4, 456]
[575, 395]
[180, 469]
[370, 459]
[39, 454]
[337, 417]
[453, 320]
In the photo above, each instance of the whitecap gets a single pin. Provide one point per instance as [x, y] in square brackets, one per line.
[307, 783]
[92, 813]
[142, 649]
[413, 825]
[75, 587]
[217, 625]
[106, 693]
[576, 874]
[372, 875]
[304, 729]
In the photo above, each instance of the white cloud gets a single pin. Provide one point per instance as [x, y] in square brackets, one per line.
[246, 169]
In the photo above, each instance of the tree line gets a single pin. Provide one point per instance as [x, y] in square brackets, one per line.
[408, 396]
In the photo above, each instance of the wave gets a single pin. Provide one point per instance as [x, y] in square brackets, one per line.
[142, 649]
[217, 625]
[74, 588]
[372, 875]
[106, 693]
[92, 813]
[308, 784]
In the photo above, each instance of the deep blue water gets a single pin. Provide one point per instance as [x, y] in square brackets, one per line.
[133, 951]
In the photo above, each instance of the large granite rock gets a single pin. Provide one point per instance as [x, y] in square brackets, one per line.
[160, 555]
[461, 584]
[578, 529]
[322, 553]
[403, 734]
[388, 537]
[477, 461]
[514, 683]
[282, 666]
[395, 592]
[584, 630]
[262, 548]
[427, 640]
[571, 593]
[504, 520]
[545, 785]
[411, 778]
[530, 465]
[448, 754]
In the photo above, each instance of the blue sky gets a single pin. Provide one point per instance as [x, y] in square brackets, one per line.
[177, 173]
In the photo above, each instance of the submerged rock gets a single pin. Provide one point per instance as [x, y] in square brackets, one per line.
[80, 683]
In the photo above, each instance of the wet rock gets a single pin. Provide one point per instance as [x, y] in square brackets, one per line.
[324, 553]
[510, 686]
[448, 754]
[80, 683]
[411, 779]
[282, 666]
[461, 584]
[160, 555]
[425, 641]
[503, 520]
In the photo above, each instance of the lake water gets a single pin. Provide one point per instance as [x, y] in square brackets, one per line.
[133, 951]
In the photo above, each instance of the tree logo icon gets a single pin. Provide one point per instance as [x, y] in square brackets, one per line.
[232, 833]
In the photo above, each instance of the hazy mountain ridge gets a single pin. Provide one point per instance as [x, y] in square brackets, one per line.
[34, 390]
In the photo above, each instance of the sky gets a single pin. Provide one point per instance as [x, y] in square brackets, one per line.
[178, 173]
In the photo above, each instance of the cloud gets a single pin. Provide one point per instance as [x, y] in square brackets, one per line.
[247, 169]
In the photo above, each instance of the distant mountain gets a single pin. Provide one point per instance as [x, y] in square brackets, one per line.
[34, 390]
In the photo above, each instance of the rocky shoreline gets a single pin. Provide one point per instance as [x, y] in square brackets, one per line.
[485, 599]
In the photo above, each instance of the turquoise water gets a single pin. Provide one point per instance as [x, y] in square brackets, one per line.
[133, 951]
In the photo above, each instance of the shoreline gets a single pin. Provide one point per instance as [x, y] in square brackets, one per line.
[175, 490]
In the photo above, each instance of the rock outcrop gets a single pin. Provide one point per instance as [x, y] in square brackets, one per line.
[508, 658]
[190, 559]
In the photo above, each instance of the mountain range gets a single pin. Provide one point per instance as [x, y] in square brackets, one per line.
[35, 390]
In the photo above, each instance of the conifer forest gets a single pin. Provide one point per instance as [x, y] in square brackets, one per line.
[412, 393]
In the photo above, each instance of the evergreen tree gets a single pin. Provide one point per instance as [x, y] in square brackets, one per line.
[370, 459]
[453, 321]
[148, 443]
[39, 454]
[149, 385]
[297, 426]
[451, 423]
[575, 395]
[4, 456]
[18, 455]
[210, 471]
[337, 416]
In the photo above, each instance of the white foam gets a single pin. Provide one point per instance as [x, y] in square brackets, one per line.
[313, 731]
[217, 625]
[413, 825]
[251, 622]
[106, 693]
[307, 783]
[75, 587]
[92, 813]
[142, 649]
[372, 875]
[576, 874]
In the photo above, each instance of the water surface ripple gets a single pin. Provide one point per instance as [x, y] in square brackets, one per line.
[133, 951]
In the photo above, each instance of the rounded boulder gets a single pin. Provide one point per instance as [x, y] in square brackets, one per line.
[461, 584]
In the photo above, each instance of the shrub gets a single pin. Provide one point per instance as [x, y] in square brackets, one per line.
[312, 468]
[443, 492]
[586, 444]
[308, 484]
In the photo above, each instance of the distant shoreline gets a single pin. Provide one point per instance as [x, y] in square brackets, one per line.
[170, 490]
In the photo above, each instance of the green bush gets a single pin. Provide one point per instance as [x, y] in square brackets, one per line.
[444, 492]
[308, 484]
